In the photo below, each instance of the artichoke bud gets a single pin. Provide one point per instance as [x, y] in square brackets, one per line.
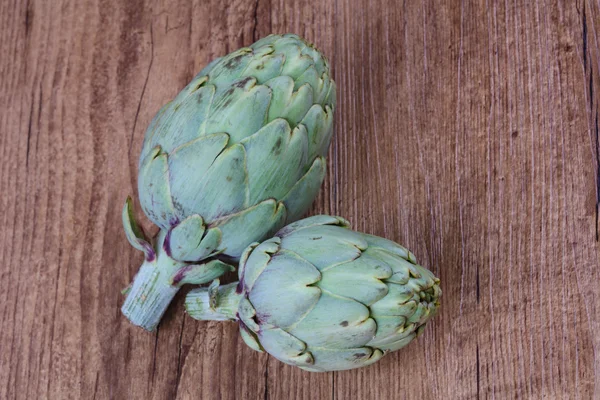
[235, 156]
[323, 297]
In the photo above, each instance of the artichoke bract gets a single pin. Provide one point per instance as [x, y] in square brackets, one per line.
[323, 297]
[235, 156]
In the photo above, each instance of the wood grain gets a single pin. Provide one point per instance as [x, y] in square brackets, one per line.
[467, 131]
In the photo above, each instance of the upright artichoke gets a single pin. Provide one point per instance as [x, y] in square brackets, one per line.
[234, 157]
[323, 297]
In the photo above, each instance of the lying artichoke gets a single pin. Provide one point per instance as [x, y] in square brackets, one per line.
[234, 157]
[323, 297]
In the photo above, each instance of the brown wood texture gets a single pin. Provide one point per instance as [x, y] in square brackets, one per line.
[467, 131]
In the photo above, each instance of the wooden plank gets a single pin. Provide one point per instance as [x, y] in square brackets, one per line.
[467, 131]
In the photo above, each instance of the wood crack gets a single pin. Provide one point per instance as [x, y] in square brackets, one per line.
[137, 113]
[154, 356]
[597, 173]
[29, 134]
[592, 107]
[266, 375]
[179, 366]
[585, 45]
[478, 373]
[255, 19]
[96, 385]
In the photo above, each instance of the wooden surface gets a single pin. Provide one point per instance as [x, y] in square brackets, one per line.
[466, 131]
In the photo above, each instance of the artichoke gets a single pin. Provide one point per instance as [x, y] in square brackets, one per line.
[235, 156]
[322, 297]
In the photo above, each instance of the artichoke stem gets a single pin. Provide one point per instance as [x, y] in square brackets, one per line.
[215, 303]
[151, 292]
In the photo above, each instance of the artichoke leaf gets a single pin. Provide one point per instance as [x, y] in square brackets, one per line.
[134, 233]
[329, 359]
[287, 278]
[388, 330]
[300, 197]
[359, 279]
[316, 220]
[250, 338]
[319, 124]
[184, 118]
[392, 247]
[210, 244]
[325, 246]
[198, 274]
[190, 161]
[154, 190]
[257, 222]
[256, 262]
[266, 41]
[282, 88]
[285, 347]
[223, 190]
[335, 322]
[275, 158]
[243, 259]
[311, 77]
[247, 314]
[262, 68]
[240, 111]
[399, 343]
[184, 238]
[230, 67]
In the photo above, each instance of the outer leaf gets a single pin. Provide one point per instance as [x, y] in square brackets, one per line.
[309, 76]
[265, 67]
[251, 225]
[282, 88]
[390, 305]
[337, 360]
[275, 160]
[250, 338]
[230, 68]
[299, 104]
[186, 118]
[299, 199]
[399, 343]
[247, 314]
[296, 63]
[324, 246]
[155, 194]
[210, 244]
[285, 347]
[316, 220]
[184, 239]
[330, 97]
[222, 190]
[360, 279]
[324, 86]
[200, 273]
[335, 322]
[266, 41]
[188, 165]
[286, 278]
[392, 247]
[257, 261]
[399, 265]
[134, 233]
[389, 329]
[319, 124]
[240, 111]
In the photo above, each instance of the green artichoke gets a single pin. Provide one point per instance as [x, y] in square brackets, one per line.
[235, 156]
[323, 297]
